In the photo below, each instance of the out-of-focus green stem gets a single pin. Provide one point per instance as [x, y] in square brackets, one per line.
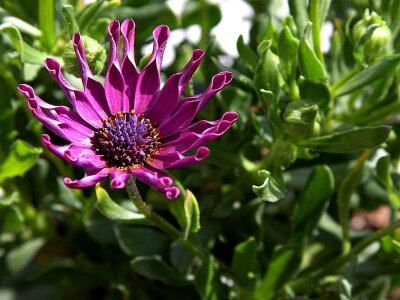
[307, 282]
[204, 24]
[316, 28]
[46, 23]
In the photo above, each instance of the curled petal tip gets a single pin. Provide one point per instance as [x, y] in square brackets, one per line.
[46, 140]
[117, 184]
[202, 153]
[172, 193]
[128, 25]
[113, 26]
[76, 38]
[197, 55]
[51, 64]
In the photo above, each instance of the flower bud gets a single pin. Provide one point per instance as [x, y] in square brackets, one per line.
[302, 119]
[379, 37]
[283, 153]
[95, 55]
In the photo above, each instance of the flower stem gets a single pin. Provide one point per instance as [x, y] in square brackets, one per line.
[308, 281]
[154, 218]
[159, 221]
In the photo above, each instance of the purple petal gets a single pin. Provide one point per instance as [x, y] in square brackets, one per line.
[202, 132]
[129, 70]
[90, 178]
[148, 82]
[78, 155]
[59, 119]
[188, 108]
[119, 178]
[93, 89]
[158, 180]
[114, 83]
[82, 102]
[54, 68]
[168, 98]
[174, 159]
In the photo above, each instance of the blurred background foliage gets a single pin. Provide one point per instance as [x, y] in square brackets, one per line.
[299, 200]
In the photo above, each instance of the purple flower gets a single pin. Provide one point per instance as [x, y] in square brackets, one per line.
[130, 126]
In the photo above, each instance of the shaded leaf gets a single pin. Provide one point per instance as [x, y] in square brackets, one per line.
[244, 260]
[153, 267]
[19, 257]
[139, 240]
[382, 69]
[313, 201]
[205, 279]
[283, 264]
[349, 141]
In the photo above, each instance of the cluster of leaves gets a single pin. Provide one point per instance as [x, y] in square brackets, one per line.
[274, 213]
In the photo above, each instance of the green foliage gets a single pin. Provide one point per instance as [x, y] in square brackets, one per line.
[298, 200]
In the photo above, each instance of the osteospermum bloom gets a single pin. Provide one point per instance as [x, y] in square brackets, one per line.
[130, 126]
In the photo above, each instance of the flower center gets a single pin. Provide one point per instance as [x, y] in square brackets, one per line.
[125, 140]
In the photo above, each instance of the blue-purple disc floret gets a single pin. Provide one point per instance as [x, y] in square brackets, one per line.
[130, 126]
[125, 140]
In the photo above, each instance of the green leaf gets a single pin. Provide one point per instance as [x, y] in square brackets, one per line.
[154, 268]
[349, 141]
[385, 67]
[19, 257]
[21, 158]
[89, 15]
[267, 74]
[28, 54]
[346, 189]
[192, 214]
[383, 168]
[310, 66]
[205, 279]
[287, 49]
[316, 92]
[395, 15]
[283, 264]
[13, 220]
[244, 260]
[140, 240]
[383, 171]
[69, 15]
[113, 211]
[22, 26]
[46, 23]
[298, 9]
[270, 190]
[313, 201]
[246, 54]
[177, 207]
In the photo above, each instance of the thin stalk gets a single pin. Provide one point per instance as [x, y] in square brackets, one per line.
[159, 221]
[308, 282]
[316, 28]
[345, 78]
